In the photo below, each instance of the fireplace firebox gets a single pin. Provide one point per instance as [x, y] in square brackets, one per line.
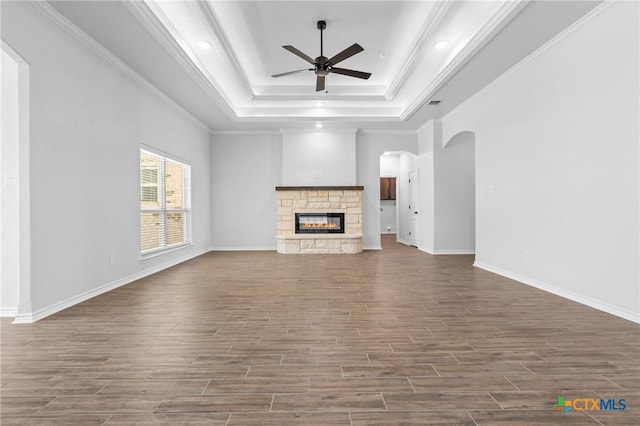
[319, 223]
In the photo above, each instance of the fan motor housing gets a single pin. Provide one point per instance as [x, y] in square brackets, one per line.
[321, 66]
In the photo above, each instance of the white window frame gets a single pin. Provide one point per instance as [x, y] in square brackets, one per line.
[163, 211]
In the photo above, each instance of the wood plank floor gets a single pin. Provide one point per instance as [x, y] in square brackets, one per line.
[256, 338]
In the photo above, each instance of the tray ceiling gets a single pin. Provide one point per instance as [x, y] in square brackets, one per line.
[229, 85]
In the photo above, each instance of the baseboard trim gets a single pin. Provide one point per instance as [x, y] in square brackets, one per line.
[29, 318]
[445, 252]
[575, 297]
[427, 250]
[254, 248]
[271, 248]
[8, 312]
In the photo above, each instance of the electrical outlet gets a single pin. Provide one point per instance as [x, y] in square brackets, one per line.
[112, 259]
[10, 180]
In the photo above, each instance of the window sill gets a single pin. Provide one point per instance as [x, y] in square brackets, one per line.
[163, 251]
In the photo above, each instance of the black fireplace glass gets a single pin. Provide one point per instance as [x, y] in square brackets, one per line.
[319, 223]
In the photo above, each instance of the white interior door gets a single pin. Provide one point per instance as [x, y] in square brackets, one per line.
[413, 207]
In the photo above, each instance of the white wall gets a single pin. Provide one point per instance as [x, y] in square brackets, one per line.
[389, 165]
[245, 169]
[87, 122]
[9, 237]
[447, 191]
[557, 164]
[318, 157]
[454, 194]
[427, 135]
[369, 147]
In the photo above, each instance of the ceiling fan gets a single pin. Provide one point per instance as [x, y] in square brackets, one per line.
[323, 65]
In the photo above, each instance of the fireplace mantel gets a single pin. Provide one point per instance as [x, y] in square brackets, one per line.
[319, 188]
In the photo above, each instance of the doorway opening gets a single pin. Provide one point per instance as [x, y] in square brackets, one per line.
[15, 286]
[398, 198]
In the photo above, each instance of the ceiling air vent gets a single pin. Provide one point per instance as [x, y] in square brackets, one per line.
[432, 102]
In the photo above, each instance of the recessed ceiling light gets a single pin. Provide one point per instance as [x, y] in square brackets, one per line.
[204, 44]
[440, 44]
[319, 104]
[384, 55]
[318, 125]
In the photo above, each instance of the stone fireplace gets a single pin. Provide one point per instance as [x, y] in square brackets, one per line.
[319, 219]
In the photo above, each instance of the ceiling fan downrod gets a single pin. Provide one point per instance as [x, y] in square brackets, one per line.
[321, 68]
[321, 26]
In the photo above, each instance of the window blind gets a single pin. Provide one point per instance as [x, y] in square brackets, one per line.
[165, 203]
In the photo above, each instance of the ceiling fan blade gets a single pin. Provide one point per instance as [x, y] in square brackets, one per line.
[346, 53]
[299, 53]
[351, 73]
[319, 83]
[291, 72]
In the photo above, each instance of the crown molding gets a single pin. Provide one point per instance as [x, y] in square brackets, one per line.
[388, 132]
[212, 22]
[409, 64]
[334, 113]
[11, 52]
[150, 21]
[352, 130]
[499, 19]
[246, 132]
[57, 18]
[301, 93]
[566, 32]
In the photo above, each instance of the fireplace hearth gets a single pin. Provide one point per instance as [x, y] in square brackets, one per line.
[319, 223]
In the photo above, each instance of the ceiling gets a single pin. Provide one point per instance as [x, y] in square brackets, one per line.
[228, 86]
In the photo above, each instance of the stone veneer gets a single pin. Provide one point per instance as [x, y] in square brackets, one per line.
[333, 199]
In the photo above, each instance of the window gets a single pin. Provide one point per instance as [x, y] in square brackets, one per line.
[149, 182]
[165, 203]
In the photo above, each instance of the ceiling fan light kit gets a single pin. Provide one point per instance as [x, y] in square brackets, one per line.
[323, 66]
